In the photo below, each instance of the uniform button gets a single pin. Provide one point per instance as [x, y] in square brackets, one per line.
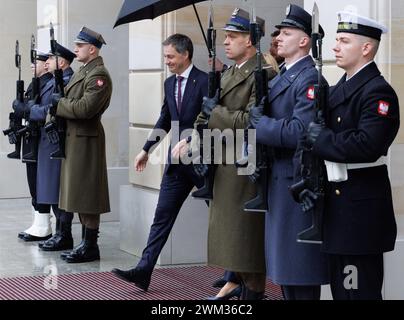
[337, 192]
[339, 119]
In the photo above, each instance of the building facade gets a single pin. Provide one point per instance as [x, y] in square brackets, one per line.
[134, 57]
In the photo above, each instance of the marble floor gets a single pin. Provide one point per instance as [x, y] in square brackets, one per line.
[18, 258]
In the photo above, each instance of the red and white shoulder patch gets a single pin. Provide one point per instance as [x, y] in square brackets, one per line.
[100, 83]
[311, 93]
[383, 108]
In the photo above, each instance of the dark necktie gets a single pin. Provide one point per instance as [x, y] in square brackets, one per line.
[283, 70]
[179, 93]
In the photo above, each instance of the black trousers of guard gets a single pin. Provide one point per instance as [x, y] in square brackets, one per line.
[369, 278]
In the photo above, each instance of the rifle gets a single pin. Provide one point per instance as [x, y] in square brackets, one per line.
[56, 128]
[15, 123]
[31, 131]
[206, 192]
[261, 171]
[311, 167]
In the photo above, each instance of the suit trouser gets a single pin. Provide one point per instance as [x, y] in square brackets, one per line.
[292, 293]
[175, 188]
[356, 277]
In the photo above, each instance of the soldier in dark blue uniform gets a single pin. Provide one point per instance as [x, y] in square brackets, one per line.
[41, 226]
[299, 268]
[362, 121]
[48, 173]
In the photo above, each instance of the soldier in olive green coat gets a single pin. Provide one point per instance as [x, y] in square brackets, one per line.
[84, 182]
[235, 238]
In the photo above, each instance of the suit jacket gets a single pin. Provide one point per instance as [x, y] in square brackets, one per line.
[292, 108]
[363, 119]
[196, 89]
[84, 179]
[48, 172]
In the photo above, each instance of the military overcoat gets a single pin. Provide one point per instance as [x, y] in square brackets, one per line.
[48, 172]
[235, 237]
[291, 109]
[84, 181]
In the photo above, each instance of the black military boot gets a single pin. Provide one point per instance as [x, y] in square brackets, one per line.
[55, 236]
[63, 255]
[62, 240]
[88, 252]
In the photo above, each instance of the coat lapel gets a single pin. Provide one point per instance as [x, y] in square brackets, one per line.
[170, 94]
[345, 89]
[77, 77]
[282, 82]
[83, 71]
[189, 90]
[238, 76]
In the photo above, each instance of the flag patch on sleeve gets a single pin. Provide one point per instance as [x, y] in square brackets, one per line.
[310, 93]
[383, 109]
[100, 83]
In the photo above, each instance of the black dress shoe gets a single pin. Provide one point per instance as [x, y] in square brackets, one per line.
[219, 283]
[235, 293]
[140, 278]
[31, 238]
[22, 234]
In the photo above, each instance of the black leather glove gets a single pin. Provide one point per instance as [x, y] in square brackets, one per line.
[52, 132]
[254, 178]
[55, 101]
[313, 132]
[209, 104]
[256, 113]
[20, 108]
[201, 169]
[307, 200]
[12, 138]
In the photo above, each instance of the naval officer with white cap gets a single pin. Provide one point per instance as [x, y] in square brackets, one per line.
[362, 121]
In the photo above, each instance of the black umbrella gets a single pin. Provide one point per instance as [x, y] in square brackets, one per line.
[136, 10]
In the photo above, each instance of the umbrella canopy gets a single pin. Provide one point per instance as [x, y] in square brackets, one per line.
[135, 10]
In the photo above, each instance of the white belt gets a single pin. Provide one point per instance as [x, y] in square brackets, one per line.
[353, 166]
[338, 172]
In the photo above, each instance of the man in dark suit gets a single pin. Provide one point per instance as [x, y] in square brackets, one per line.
[362, 121]
[184, 92]
[300, 269]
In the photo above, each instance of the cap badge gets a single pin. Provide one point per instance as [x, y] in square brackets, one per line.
[235, 12]
[288, 8]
